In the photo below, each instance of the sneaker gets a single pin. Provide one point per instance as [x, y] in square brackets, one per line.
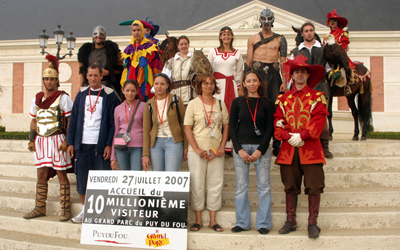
[79, 217]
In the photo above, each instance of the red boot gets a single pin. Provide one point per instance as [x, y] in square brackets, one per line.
[291, 206]
[313, 209]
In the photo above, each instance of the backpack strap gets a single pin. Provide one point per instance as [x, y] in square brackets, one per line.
[175, 102]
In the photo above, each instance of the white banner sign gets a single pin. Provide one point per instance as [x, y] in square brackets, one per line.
[136, 209]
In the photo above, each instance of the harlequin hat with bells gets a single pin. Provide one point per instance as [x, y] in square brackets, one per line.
[52, 70]
[341, 20]
[316, 72]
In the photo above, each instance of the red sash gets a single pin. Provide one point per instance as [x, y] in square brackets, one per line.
[49, 100]
[229, 89]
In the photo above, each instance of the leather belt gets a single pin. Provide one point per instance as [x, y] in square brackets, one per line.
[178, 84]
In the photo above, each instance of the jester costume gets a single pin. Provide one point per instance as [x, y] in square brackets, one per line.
[298, 121]
[141, 63]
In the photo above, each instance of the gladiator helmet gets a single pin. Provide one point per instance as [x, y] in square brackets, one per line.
[99, 31]
[52, 70]
[269, 18]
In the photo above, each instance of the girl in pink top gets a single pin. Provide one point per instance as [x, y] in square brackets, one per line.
[129, 158]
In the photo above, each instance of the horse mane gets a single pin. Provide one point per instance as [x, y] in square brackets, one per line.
[165, 42]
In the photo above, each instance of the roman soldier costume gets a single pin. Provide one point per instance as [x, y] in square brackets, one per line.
[48, 141]
[301, 114]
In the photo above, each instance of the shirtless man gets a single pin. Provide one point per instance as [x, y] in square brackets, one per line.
[264, 51]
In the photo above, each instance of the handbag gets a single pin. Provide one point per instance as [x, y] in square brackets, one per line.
[121, 139]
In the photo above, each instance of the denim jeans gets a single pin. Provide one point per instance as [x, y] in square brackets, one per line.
[129, 158]
[166, 155]
[263, 167]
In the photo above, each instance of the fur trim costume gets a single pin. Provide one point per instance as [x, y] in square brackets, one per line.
[112, 50]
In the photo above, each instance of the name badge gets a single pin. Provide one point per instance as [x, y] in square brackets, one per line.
[257, 131]
[90, 123]
[127, 138]
[211, 133]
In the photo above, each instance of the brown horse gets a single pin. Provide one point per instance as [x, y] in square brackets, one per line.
[361, 111]
[168, 49]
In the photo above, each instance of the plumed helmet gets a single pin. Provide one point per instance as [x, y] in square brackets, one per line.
[99, 31]
[269, 18]
[52, 70]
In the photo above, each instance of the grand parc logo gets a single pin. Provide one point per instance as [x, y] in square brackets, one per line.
[157, 239]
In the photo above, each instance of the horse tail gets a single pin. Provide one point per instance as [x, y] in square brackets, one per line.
[365, 109]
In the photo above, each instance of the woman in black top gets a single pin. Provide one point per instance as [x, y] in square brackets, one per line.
[251, 129]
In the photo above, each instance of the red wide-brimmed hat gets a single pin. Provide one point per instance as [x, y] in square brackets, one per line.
[341, 20]
[317, 72]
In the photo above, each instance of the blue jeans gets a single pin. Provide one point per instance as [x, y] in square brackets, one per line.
[129, 158]
[263, 167]
[166, 155]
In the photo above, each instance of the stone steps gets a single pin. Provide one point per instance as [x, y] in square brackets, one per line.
[22, 168]
[329, 219]
[340, 148]
[329, 239]
[350, 197]
[359, 209]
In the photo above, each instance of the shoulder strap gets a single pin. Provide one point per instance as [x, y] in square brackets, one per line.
[264, 40]
[175, 101]
[151, 114]
[133, 116]
[220, 106]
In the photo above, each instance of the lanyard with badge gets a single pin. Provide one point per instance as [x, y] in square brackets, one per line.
[162, 116]
[90, 123]
[208, 118]
[127, 134]
[256, 130]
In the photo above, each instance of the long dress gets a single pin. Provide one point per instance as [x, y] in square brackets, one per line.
[228, 69]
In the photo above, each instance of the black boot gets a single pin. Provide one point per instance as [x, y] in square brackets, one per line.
[325, 147]
[291, 206]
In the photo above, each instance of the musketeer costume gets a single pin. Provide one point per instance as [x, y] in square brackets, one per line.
[301, 114]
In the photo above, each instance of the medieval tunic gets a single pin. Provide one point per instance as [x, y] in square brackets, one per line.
[315, 56]
[50, 138]
[228, 69]
[177, 69]
[304, 112]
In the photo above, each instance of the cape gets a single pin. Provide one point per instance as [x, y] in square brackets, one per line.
[49, 100]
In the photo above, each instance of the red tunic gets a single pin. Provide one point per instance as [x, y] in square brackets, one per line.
[342, 38]
[303, 111]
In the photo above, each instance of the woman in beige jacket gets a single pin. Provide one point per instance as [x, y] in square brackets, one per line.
[164, 141]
